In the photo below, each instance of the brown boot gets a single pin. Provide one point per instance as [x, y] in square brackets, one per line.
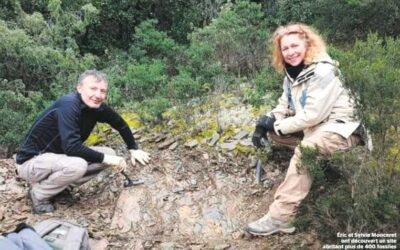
[40, 206]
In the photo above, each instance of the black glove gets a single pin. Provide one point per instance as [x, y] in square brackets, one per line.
[267, 122]
[258, 134]
[264, 124]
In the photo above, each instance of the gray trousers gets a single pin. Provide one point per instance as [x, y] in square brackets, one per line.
[49, 173]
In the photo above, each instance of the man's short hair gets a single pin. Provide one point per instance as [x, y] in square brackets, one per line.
[98, 75]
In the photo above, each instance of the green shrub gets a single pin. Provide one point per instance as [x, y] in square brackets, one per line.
[346, 21]
[153, 43]
[237, 37]
[371, 69]
[267, 87]
[351, 193]
[150, 110]
[144, 80]
[357, 191]
[284, 11]
[199, 60]
[116, 82]
[18, 113]
[41, 68]
[34, 24]
[183, 87]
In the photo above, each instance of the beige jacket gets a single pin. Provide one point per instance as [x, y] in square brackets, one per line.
[316, 99]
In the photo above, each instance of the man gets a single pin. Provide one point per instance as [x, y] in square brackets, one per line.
[52, 155]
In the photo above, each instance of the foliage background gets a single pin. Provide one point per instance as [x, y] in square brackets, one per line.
[160, 54]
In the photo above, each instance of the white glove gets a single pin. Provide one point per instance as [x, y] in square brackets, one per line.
[140, 156]
[117, 163]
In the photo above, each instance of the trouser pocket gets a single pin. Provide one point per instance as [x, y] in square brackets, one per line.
[34, 170]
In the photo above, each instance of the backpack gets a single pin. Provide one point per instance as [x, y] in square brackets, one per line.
[62, 235]
[24, 237]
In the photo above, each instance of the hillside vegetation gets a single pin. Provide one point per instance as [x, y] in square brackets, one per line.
[160, 55]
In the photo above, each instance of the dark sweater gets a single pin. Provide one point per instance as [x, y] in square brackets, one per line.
[65, 125]
[294, 71]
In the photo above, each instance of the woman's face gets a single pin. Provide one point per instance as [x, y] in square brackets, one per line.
[293, 49]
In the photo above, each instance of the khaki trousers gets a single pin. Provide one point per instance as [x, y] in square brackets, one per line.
[297, 184]
[49, 173]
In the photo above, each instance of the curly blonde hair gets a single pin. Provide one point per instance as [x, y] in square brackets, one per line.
[315, 44]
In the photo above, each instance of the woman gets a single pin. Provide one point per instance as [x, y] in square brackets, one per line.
[314, 109]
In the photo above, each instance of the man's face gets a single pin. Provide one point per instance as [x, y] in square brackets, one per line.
[93, 92]
[293, 49]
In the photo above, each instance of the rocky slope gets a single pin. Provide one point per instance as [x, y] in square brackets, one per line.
[199, 192]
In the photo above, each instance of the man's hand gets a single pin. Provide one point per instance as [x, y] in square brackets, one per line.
[140, 156]
[117, 163]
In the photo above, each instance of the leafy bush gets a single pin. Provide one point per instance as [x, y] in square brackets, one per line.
[233, 44]
[371, 70]
[237, 36]
[183, 88]
[284, 11]
[34, 24]
[364, 195]
[18, 113]
[351, 193]
[267, 87]
[346, 21]
[39, 67]
[200, 62]
[153, 43]
[144, 80]
[150, 110]
[116, 82]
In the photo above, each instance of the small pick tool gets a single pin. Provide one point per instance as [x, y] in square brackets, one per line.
[259, 166]
[128, 182]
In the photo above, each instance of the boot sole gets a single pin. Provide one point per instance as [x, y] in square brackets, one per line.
[287, 231]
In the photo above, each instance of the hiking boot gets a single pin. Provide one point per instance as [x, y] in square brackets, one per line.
[267, 226]
[40, 206]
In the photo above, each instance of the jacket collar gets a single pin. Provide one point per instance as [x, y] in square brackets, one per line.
[308, 70]
[82, 105]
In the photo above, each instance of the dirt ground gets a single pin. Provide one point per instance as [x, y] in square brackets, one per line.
[191, 198]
